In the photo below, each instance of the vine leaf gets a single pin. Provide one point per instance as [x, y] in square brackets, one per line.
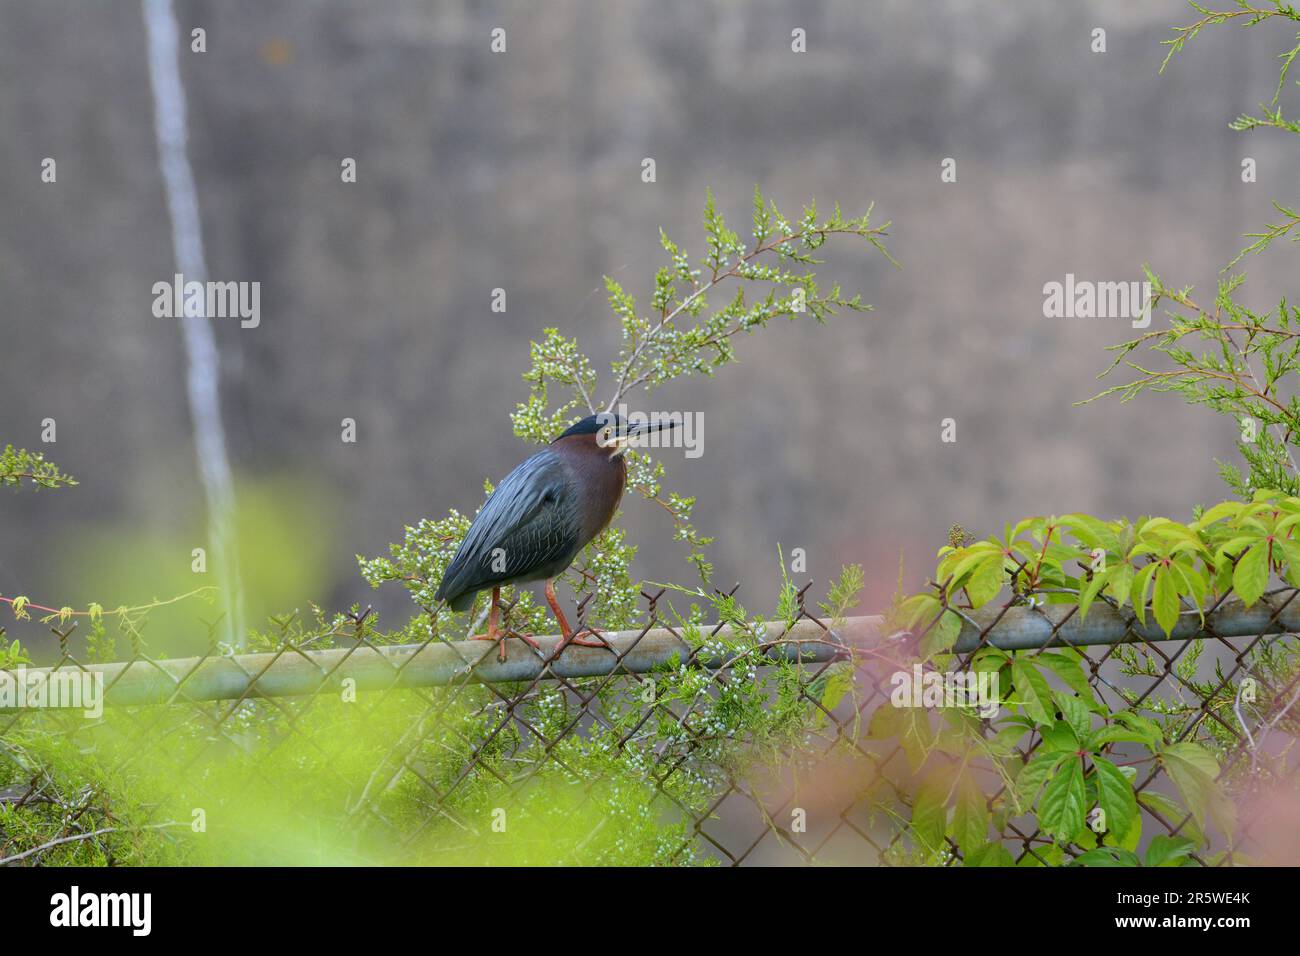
[1064, 800]
[1169, 850]
[1193, 770]
[970, 818]
[943, 635]
[930, 813]
[1172, 813]
[990, 854]
[1075, 712]
[1068, 668]
[1250, 577]
[1164, 602]
[1033, 691]
[1034, 774]
[1115, 796]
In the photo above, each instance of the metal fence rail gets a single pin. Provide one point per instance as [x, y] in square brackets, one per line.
[837, 794]
[292, 672]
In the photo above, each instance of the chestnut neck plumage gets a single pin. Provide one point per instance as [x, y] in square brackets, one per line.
[602, 475]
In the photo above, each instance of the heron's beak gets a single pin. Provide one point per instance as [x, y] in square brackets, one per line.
[629, 437]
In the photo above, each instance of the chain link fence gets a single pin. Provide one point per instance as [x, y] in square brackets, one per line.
[752, 744]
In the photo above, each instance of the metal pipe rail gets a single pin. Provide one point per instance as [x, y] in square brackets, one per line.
[291, 672]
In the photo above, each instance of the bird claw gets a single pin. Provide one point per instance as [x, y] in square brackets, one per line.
[527, 639]
[500, 637]
[595, 632]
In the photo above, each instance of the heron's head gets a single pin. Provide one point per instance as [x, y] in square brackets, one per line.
[610, 431]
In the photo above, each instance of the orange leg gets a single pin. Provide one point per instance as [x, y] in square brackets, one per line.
[551, 599]
[494, 628]
[567, 635]
[594, 632]
[494, 625]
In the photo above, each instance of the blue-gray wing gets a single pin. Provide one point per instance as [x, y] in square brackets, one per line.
[528, 525]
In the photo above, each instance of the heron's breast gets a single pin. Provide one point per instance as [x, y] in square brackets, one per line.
[602, 484]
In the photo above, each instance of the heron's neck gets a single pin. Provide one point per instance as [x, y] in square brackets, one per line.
[602, 479]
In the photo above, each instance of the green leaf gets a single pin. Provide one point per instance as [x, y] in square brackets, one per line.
[1059, 738]
[1233, 545]
[839, 680]
[910, 727]
[1032, 690]
[1191, 580]
[1121, 584]
[1130, 839]
[1093, 532]
[1172, 814]
[1193, 770]
[886, 723]
[990, 854]
[1197, 755]
[970, 817]
[990, 659]
[1003, 743]
[1051, 855]
[917, 608]
[1113, 733]
[1151, 733]
[1068, 668]
[1164, 602]
[1138, 592]
[1075, 713]
[1063, 803]
[930, 813]
[1169, 850]
[957, 566]
[987, 580]
[1250, 577]
[1034, 774]
[1114, 796]
[1107, 856]
[1291, 552]
[942, 636]
[1222, 510]
[1093, 588]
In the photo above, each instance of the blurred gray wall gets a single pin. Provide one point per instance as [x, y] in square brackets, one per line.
[522, 170]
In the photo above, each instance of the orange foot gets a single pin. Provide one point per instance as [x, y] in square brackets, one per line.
[501, 636]
[595, 632]
[527, 639]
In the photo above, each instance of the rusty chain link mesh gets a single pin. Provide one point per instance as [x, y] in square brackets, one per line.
[814, 786]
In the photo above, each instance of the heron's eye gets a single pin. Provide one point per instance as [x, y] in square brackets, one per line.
[607, 435]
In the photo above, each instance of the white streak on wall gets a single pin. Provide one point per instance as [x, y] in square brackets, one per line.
[202, 365]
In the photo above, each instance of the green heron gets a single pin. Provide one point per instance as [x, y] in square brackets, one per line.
[541, 516]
